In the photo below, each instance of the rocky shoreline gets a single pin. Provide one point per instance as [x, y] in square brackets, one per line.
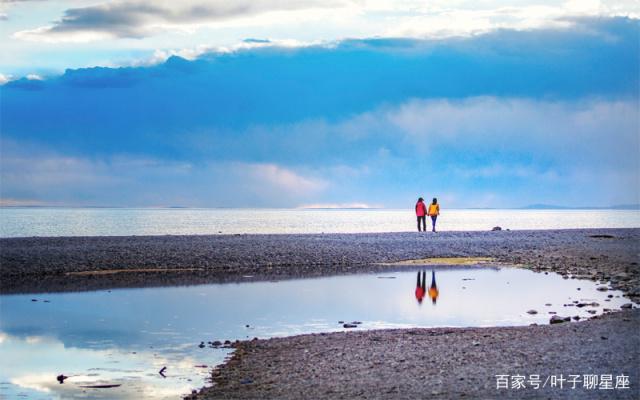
[439, 363]
[48, 264]
[442, 363]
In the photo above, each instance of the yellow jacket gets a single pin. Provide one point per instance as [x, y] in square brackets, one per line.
[434, 209]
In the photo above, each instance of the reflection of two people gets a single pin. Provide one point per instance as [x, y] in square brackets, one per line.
[421, 287]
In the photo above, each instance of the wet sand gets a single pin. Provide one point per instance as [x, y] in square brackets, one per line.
[440, 363]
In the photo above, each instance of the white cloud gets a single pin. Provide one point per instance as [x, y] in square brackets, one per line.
[462, 18]
[551, 126]
[191, 53]
[583, 152]
[289, 182]
[331, 20]
[33, 176]
[140, 18]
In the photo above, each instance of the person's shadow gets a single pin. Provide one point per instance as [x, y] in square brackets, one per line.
[421, 287]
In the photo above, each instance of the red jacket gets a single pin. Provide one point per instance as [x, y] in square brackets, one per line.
[421, 209]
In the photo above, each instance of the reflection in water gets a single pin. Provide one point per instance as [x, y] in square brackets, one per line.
[421, 287]
[127, 336]
[37, 362]
[433, 290]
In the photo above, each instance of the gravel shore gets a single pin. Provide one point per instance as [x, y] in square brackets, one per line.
[65, 263]
[443, 363]
[437, 363]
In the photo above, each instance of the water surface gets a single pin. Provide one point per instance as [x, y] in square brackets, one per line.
[126, 336]
[18, 222]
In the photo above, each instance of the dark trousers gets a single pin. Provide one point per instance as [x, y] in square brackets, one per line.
[424, 223]
[433, 222]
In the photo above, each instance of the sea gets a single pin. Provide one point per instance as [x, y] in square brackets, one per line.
[42, 221]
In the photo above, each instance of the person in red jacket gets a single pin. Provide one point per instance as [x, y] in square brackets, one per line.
[421, 212]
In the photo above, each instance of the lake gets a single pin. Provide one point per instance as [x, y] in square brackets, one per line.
[20, 222]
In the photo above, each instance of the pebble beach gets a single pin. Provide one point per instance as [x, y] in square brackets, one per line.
[440, 362]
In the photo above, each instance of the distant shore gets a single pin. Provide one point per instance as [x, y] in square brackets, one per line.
[44, 264]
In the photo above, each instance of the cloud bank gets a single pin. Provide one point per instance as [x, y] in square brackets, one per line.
[138, 19]
[501, 119]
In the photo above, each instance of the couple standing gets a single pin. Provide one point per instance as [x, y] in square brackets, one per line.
[422, 212]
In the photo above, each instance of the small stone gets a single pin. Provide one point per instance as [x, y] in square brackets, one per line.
[356, 322]
[626, 306]
[552, 312]
[602, 288]
[548, 304]
[603, 337]
[496, 228]
[349, 326]
[556, 320]
[609, 295]
[532, 312]
[216, 343]
[201, 345]
[577, 318]
[591, 311]
[34, 299]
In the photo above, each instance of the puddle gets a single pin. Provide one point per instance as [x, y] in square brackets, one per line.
[125, 337]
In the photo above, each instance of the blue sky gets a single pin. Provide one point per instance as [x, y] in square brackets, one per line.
[290, 103]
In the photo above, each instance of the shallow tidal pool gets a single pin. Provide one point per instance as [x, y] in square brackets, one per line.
[126, 337]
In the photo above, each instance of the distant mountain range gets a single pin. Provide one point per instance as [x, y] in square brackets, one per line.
[554, 207]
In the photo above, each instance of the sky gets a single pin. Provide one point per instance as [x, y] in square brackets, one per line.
[289, 103]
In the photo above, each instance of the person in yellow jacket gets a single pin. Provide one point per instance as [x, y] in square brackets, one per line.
[434, 211]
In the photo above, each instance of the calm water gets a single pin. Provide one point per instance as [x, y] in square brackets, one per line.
[15, 222]
[126, 336]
